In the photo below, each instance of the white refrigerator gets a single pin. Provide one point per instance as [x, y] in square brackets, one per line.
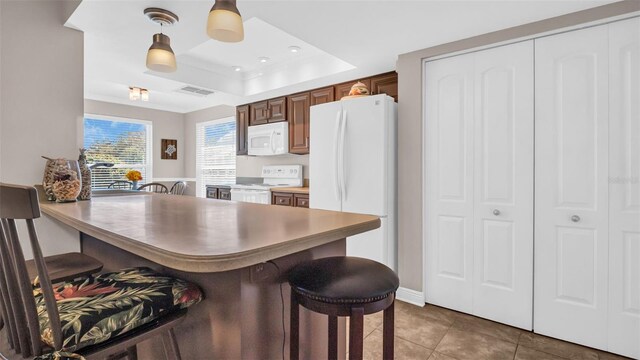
[352, 168]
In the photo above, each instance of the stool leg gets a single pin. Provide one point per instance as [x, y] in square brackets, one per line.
[387, 332]
[333, 337]
[356, 330]
[294, 336]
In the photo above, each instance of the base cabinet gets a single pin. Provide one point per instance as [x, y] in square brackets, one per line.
[220, 193]
[290, 199]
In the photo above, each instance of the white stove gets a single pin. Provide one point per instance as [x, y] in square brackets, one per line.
[273, 176]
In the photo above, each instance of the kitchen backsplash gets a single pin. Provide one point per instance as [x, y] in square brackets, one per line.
[251, 166]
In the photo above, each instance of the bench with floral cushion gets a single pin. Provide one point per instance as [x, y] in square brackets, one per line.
[94, 310]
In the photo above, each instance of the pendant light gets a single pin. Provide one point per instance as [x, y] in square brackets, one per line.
[225, 22]
[160, 56]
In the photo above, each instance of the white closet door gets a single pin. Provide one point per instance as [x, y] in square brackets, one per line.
[449, 182]
[503, 157]
[571, 185]
[624, 188]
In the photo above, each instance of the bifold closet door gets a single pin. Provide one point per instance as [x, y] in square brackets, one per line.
[449, 182]
[503, 181]
[479, 183]
[571, 186]
[624, 188]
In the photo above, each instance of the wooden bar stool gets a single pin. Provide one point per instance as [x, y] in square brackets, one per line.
[343, 286]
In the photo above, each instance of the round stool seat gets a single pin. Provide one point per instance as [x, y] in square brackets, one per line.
[343, 280]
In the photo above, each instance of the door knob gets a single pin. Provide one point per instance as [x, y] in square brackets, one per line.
[575, 218]
[496, 212]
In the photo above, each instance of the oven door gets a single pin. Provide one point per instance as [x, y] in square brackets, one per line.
[251, 195]
[269, 139]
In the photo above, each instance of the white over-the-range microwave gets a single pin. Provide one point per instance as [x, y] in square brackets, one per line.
[268, 139]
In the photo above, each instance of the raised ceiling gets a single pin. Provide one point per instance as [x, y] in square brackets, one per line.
[339, 41]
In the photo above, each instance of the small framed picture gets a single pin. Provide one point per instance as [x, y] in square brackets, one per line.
[169, 149]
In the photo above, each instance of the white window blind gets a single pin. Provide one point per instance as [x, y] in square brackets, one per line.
[215, 153]
[125, 143]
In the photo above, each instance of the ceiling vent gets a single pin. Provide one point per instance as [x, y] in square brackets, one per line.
[192, 90]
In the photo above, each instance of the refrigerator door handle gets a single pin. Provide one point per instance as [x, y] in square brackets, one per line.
[336, 154]
[343, 181]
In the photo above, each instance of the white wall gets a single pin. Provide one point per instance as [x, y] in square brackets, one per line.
[41, 82]
[166, 125]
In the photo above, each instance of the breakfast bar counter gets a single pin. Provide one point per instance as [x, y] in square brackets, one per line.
[239, 253]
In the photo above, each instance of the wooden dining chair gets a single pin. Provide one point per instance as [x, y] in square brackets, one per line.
[154, 187]
[95, 317]
[178, 188]
[121, 185]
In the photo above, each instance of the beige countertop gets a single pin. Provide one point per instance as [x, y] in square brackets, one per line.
[295, 190]
[205, 235]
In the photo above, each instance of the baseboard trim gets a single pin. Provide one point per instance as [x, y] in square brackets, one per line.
[410, 296]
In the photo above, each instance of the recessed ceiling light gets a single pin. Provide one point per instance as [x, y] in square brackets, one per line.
[263, 59]
[294, 49]
[237, 68]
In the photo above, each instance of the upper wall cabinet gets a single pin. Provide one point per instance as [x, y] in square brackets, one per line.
[259, 113]
[295, 110]
[343, 89]
[385, 84]
[298, 115]
[242, 124]
[268, 111]
[321, 96]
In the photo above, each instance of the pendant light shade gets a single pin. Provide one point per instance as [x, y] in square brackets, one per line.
[160, 56]
[225, 22]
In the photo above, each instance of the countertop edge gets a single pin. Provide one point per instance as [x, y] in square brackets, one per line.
[294, 190]
[218, 263]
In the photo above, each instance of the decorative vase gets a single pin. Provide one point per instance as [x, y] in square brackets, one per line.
[67, 183]
[47, 179]
[85, 171]
[135, 185]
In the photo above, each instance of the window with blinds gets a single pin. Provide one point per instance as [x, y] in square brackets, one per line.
[125, 143]
[215, 153]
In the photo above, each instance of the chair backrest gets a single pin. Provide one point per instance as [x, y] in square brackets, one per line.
[154, 187]
[178, 188]
[121, 185]
[18, 302]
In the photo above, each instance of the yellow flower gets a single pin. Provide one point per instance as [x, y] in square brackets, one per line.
[134, 175]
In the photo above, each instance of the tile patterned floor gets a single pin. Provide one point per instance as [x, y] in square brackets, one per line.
[435, 333]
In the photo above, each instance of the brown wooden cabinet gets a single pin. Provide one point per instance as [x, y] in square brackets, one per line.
[278, 109]
[268, 111]
[301, 200]
[344, 88]
[259, 113]
[242, 125]
[284, 199]
[298, 117]
[321, 96]
[221, 193]
[385, 84]
[290, 199]
[295, 110]
[224, 193]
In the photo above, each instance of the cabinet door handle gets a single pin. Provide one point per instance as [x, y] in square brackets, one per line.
[496, 212]
[575, 218]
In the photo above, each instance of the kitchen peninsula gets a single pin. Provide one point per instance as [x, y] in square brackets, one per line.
[239, 253]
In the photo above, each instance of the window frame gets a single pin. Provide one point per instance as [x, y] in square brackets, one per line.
[200, 192]
[149, 137]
